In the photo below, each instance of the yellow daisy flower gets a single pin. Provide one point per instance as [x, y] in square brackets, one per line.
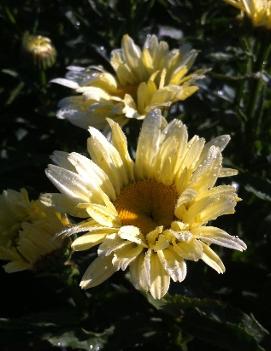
[146, 78]
[150, 214]
[27, 230]
[259, 11]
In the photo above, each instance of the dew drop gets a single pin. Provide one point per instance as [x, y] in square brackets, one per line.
[235, 185]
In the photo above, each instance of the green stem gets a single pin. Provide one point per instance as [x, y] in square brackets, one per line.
[223, 77]
[262, 91]
[76, 293]
[43, 80]
[257, 87]
[248, 44]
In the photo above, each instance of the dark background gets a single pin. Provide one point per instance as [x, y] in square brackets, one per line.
[207, 311]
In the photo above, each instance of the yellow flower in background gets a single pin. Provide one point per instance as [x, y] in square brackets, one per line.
[143, 79]
[27, 230]
[151, 214]
[41, 49]
[259, 11]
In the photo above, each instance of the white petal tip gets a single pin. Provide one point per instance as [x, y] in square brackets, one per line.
[239, 244]
[92, 131]
[65, 82]
[243, 247]
[84, 285]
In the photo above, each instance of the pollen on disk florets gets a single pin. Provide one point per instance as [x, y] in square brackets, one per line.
[146, 204]
[150, 214]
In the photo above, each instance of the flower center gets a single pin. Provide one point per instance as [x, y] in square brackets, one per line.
[147, 204]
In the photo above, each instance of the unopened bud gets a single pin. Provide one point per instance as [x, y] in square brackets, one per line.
[41, 49]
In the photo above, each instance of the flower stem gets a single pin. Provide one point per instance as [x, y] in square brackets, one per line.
[264, 50]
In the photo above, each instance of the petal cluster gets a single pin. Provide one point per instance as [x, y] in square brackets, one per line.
[27, 230]
[150, 214]
[259, 11]
[143, 79]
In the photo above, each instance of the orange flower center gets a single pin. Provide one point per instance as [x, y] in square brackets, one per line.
[147, 204]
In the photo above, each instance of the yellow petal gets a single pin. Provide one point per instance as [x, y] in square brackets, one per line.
[64, 204]
[16, 266]
[119, 140]
[212, 259]
[103, 215]
[145, 92]
[227, 172]
[86, 241]
[138, 273]
[214, 235]
[187, 196]
[159, 278]
[60, 158]
[207, 173]
[125, 255]
[178, 75]
[106, 156]
[69, 183]
[148, 143]
[209, 208]
[112, 243]
[170, 152]
[130, 233]
[93, 93]
[189, 250]
[173, 264]
[147, 60]
[97, 272]
[93, 175]
[192, 154]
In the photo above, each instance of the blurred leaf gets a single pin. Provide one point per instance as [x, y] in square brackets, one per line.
[80, 340]
[261, 188]
[15, 92]
[42, 322]
[10, 72]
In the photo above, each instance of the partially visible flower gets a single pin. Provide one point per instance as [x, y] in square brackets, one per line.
[259, 11]
[146, 78]
[150, 214]
[41, 50]
[27, 230]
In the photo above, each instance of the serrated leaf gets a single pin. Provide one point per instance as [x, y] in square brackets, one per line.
[215, 322]
[80, 340]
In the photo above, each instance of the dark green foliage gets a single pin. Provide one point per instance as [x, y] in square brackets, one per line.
[207, 311]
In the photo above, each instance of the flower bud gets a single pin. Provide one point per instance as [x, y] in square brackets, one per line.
[41, 50]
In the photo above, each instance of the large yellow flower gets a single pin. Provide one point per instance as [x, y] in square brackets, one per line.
[153, 76]
[259, 11]
[150, 214]
[27, 230]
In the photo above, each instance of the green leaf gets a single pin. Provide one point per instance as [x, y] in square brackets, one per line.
[215, 322]
[80, 340]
